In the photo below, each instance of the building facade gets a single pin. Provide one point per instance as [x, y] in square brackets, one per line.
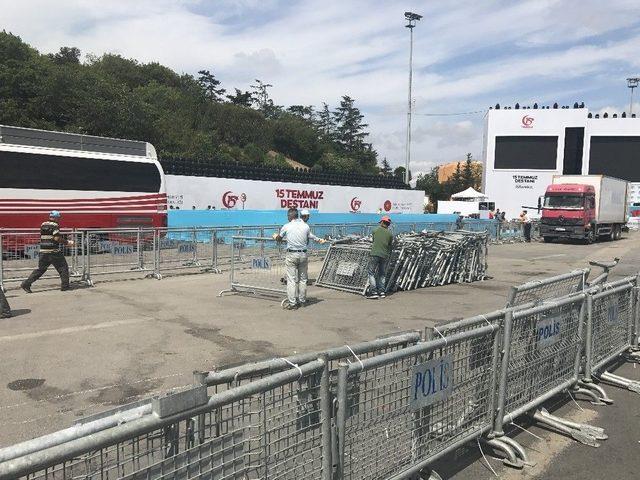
[525, 147]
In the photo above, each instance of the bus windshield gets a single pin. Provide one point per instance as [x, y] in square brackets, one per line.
[564, 201]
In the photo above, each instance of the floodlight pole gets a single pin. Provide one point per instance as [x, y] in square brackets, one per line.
[632, 83]
[411, 18]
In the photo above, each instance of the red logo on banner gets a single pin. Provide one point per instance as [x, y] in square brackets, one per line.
[387, 206]
[527, 121]
[355, 204]
[229, 200]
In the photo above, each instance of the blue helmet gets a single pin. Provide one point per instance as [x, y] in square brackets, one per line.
[54, 214]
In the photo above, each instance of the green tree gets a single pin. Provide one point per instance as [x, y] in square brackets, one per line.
[303, 111]
[468, 177]
[296, 138]
[399, 173]
[263, 100]
[350, 128]
[430, 184]
[385, 168]
[325, 123]
[66, 55]
[180, 114]
[244, 99]
[210, 85]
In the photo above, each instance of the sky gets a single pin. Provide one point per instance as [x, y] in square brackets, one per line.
[468, 55]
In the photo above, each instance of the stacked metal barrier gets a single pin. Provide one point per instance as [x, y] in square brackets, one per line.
[417, 260]
[437, 258]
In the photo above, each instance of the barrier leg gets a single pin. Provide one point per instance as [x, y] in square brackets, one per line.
[595, 432]
[622, 382]
[519, 449]
[511, 459]
[87, 270]
[595, 392]
[156, 256]
[553, 422]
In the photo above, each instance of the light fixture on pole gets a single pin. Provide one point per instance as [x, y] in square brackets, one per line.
[632, 83]
[411, 18]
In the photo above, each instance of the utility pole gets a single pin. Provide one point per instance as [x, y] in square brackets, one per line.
[632, 83]
[411, 18]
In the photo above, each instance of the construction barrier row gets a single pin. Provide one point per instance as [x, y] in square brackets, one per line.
[386, 409]
[154, 252]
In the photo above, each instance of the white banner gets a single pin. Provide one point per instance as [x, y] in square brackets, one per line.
[201, 193]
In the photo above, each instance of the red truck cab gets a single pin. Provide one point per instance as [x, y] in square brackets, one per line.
[569, 210]
[588, 207]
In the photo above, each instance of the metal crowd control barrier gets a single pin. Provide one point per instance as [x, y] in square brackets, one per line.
[612, 329]
[537, 291]
[19, 254]
[345, 268]
[542, 353]
[400, 405]
[401, 411]
[258, 267]
[159, 251]
[276, 427]
[234, 376]
[120, 251]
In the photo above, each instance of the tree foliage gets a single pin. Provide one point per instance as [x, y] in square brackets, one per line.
[181, 114]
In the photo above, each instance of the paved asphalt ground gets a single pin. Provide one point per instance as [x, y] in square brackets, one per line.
[66, 355]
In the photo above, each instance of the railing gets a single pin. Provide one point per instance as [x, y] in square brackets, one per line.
[156, 252]
[399, 405]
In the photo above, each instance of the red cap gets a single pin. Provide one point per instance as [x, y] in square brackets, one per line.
[385, 219]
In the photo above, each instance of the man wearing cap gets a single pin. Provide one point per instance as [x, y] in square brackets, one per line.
[51, 243]
[305, 215]
[297, 234]
[380, 251]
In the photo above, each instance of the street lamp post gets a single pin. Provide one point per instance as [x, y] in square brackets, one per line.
[632, 83]
[411, 18]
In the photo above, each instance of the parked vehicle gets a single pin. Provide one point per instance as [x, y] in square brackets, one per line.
[585, 207]
[96, 182]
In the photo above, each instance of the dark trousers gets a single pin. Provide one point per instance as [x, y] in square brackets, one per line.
[45, 261]
[5, 309]
[527, 232]
[376, 271]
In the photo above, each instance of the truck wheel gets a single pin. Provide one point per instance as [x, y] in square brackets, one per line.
[617, 229]
[547, 239]
[591, 236]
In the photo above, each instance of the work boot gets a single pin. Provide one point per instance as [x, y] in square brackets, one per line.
[26, 287]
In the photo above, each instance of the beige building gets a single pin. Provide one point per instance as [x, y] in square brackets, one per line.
[448, 169]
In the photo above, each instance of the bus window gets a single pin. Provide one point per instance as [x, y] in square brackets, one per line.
[54, 172]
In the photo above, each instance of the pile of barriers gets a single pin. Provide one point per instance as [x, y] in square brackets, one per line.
[417, 260]
[385, 409]
[155, 252]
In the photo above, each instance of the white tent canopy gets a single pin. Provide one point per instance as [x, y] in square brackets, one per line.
[469, 194]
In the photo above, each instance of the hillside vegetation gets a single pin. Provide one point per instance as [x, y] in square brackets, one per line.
[183, 115]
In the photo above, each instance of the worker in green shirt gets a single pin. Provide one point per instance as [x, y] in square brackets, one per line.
[378, 257]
